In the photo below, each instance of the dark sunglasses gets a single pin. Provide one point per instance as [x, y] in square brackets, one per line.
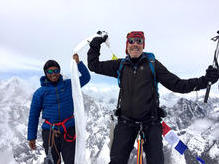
[51, 71]
[135, 40]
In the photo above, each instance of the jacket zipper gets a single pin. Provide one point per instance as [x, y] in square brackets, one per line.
[133, 82]
[58, 101]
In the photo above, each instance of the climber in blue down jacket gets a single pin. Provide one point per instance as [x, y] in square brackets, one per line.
[54, 99]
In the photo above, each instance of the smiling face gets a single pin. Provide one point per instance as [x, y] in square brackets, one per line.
[135, 49]
[53, 74]
[135, 43]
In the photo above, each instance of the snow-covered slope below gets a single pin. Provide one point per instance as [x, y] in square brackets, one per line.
[15, 98]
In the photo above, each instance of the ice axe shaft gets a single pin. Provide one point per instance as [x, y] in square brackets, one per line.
[215, 65]
[207, 92]
[102, 34]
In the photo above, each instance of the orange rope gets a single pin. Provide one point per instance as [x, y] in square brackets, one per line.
[139, 151]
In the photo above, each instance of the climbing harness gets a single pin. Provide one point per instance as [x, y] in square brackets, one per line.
[51, 140]
[71, 138]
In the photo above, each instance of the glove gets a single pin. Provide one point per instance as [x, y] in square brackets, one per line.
[97, 41]
[32, 144]
[212, 74]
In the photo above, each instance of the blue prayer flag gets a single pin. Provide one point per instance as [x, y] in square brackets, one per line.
[200, 160]
[181, 147]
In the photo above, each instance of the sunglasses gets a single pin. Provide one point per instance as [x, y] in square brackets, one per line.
[135, 40]
[51, 71]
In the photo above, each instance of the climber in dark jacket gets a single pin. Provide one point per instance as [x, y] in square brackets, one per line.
[138, 97]
[54, 99]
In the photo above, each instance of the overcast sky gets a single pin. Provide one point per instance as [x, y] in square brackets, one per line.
[177, 31]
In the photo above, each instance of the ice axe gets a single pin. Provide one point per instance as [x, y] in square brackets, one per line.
[102, 33]
[215, 65]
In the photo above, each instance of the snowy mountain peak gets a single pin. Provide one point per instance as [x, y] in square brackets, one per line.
[15, 89]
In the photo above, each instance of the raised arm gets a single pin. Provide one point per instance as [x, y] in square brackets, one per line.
[109, 67]
[85, 75]
[174, 83]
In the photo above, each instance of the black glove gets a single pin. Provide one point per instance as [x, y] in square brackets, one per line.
[97, 41]
[212, 74]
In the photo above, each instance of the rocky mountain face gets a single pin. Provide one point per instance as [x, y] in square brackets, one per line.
[196, 124]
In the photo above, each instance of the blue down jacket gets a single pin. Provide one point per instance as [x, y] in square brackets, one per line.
[55, 102]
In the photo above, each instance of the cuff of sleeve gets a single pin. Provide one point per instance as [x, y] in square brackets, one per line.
[29, 138]
[202, 83]
[80, 63]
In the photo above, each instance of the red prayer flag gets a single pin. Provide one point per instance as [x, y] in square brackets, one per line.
[166, 128]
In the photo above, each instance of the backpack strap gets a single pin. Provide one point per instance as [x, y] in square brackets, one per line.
[151, 59]
[120, 70]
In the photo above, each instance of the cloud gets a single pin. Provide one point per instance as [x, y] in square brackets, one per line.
[13, 61]
[178, 32]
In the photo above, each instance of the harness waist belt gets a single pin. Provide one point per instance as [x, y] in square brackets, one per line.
[64, 127]
[127, 119]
